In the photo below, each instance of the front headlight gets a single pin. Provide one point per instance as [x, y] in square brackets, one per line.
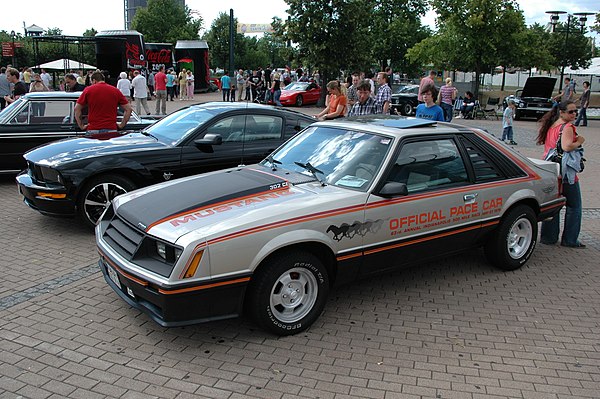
[167, 252]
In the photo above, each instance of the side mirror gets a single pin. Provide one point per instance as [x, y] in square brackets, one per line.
[209, 139]
[393, 189]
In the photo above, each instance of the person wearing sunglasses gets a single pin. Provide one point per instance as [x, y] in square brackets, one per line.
[558, 124]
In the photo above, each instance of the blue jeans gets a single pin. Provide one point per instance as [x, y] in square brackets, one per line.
[582, 116]
[448, 109]
[507, 133]
[276, 95]
[572, 225]
[226, 93]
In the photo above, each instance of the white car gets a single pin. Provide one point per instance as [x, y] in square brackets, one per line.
[339, 201]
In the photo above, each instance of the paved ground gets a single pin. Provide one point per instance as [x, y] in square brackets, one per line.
[453, 329]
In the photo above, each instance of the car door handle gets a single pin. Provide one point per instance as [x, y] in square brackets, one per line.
[468, 198]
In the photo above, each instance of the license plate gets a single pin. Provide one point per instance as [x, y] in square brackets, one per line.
[112, 273]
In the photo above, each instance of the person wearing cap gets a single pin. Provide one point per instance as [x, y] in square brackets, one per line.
[507, 123]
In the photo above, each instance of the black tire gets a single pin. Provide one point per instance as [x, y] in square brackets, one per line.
[407, 109]
[513, 242]
[97, 195]
[288, 293]
[299, 100]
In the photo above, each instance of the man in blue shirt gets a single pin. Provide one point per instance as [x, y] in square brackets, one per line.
[226, 86]
[429, 110]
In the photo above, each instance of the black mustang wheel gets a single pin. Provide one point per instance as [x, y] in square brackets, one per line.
[513, 242]
[407, 109]
[98, 194]
[288, 294]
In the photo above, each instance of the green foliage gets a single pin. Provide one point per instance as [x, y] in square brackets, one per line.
[166, 21]
[573, 50]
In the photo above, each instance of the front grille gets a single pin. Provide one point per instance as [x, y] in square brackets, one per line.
[123, 238]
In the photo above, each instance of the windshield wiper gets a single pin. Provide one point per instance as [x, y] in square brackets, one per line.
[307, 166]
[273, 162]
[145, 133]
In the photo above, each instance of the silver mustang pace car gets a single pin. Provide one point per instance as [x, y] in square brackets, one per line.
[339, 201]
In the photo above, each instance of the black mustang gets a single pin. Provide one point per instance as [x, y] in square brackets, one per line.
[82, 176]
[39, 118]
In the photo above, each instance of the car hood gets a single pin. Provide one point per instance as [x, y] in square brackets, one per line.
[232, 201]
[67, 150]
[538, 86]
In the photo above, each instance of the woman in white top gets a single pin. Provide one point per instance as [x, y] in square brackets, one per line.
[124, 85]
[190, 85]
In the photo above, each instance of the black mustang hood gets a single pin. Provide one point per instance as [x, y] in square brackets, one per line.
[538, 86]
[67, 150]
[186, 196]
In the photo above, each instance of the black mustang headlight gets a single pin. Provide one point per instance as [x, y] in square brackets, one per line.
[45, 174]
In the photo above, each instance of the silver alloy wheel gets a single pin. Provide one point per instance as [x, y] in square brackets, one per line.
[293, 295]
[519, 238]
[98, 199]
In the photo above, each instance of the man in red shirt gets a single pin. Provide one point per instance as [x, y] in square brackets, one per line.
[102, 101]
[160, 83]
[426, 81]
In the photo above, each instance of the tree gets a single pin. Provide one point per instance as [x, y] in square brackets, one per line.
[217, 38]
[471, 35]
[166, 21]
[396, 24]
[573, 50]
[330, 34]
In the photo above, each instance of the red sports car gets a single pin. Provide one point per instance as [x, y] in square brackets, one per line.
[300, 93]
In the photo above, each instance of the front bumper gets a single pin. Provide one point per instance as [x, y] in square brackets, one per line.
[181, 305]
[45, 205]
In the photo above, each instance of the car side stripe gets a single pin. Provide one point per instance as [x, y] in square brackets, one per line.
[121, 271]
[204, 286]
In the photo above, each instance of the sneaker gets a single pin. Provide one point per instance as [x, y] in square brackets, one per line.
[512, 142]
[576, 245]
[458, 116]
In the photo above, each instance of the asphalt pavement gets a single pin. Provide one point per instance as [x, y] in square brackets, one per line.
[456, 328]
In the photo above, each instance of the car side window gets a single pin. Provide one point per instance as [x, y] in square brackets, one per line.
[430, 164]
[49, 112]
[236, 129]
[231, 129]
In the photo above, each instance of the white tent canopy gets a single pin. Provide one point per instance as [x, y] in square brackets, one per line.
[66, 64]
[594, 69]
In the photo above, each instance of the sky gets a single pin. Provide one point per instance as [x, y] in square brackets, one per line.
[109, 14]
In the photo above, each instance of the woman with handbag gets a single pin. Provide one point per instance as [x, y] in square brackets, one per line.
[557, 125]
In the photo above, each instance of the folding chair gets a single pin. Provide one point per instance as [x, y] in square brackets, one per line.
[491, 107]
[476, 112]
[456, 107]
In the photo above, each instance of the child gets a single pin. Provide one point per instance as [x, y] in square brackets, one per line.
[507, 123]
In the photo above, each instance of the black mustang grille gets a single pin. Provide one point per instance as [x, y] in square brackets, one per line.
[123, 238]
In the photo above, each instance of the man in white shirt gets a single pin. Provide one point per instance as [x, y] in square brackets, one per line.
[140, 92]
[46, 78]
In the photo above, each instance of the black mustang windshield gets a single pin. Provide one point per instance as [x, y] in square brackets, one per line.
[175, 127]
[340, 157]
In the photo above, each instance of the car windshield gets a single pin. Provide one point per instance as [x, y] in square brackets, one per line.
[296, 86]
[407, 90]
[336, 156]
[173, 128]
[8, 109]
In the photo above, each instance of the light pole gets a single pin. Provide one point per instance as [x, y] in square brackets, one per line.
[12, 35]
[571, 21]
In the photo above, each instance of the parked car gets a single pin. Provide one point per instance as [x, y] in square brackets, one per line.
[339, 201]
[39, 118]
[81, 175]
[404, 100]
[300, 93]
[535, 99]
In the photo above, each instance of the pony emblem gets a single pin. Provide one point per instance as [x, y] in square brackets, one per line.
[357, 228]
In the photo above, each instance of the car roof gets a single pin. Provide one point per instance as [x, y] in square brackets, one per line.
[53, 94]
[220, 106]
[396, 126]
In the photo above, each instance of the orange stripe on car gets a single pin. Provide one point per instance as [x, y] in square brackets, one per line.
[121, 271]
[203, 287]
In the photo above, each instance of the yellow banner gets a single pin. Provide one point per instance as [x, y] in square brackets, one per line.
[254, 28]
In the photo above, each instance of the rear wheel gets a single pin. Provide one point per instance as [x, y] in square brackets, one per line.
[407, 109]
[513, 242]
[299, 100]
[97, 195]
[288, 293]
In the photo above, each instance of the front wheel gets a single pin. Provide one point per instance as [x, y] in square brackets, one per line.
[97, 195]
[299, 100]
[512, 244]
[407, 109]
[288, 293]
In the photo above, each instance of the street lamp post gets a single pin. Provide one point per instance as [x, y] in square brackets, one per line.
[571, 21]
[12, 35]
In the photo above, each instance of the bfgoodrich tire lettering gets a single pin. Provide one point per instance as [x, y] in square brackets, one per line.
[513, 242]
[288, 293]
[97, 195]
